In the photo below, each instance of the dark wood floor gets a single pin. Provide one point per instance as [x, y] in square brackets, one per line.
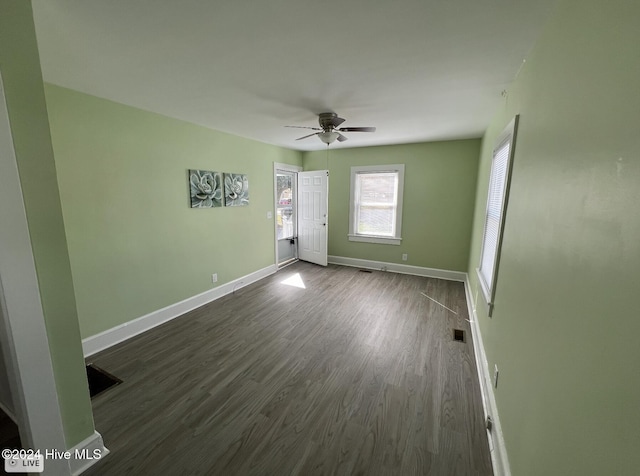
[358, 373]
[9, 435]
[9, 438]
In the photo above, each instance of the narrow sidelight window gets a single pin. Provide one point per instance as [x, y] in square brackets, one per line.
[496, 209]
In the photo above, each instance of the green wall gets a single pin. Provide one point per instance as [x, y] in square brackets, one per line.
[439, 194]
[135, 244]
[565, 325]
[24, 93]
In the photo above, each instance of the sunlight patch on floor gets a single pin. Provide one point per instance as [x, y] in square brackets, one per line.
[295, 281]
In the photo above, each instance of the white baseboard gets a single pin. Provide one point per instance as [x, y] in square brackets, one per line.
[115, 335]
[108, 338]
[499, 458]
[87, 453]
[399, 268]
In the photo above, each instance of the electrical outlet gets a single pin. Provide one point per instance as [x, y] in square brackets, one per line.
[214, 278]
[495, 376]
[269, 215]
[404, 256]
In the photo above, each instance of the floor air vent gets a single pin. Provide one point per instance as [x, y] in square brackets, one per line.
[99, 380]
[458, 335]
[364, 270]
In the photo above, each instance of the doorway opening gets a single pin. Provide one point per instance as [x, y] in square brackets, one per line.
[286, 206]
[301, 204]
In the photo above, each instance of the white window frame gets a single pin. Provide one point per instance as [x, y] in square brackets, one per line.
[488, 275]
[372, 169]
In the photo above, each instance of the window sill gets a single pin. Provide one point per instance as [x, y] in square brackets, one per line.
[382, 240]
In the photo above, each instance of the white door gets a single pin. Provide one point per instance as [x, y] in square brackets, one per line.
[313, 195]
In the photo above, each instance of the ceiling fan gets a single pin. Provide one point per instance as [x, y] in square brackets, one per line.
[329, 131]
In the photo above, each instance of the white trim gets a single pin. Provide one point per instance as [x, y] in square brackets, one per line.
[371, 169]
[376, 239]
[285, 168]
[115, 335]
[499, 457]
[399, 268]
[486, 292]
[23, 335]
[507, 136]
[93, 447]
[287, 263]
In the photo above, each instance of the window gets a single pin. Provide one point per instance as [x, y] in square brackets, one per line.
[375, 214]
[496, 209]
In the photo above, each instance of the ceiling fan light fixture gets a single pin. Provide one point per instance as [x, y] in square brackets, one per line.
[328, 136]
[329, 131]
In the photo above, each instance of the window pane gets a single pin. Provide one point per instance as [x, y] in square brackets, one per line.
[378, 188]
[376, 220]
[496, 205]
[490, 248]
[497, 182]
[284, 208]
[376, 203]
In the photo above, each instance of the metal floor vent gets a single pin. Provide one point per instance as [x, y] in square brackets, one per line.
[458, 335]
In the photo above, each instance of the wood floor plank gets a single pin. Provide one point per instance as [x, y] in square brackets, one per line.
[357, 373]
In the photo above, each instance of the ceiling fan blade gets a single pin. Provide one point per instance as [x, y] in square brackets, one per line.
[306, 127]
[314, 134]
[341, 138]
[336, 121]
[357, 129]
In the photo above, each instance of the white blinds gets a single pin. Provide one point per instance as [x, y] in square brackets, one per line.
[376, 200]
[497, 186]
[375, 204]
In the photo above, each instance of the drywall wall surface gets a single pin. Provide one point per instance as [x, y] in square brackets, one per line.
[32, 143]
[135, 244]
[439, 194]
[565, 325]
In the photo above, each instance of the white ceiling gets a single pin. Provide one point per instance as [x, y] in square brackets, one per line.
[419, 70]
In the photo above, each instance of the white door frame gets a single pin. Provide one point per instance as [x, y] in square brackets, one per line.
[284, 168]
[23, 334]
